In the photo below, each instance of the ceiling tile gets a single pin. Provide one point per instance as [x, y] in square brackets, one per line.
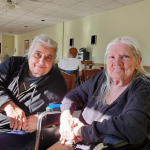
[95, 10]
[83, 14]
[48, 17]
[97, 2]
[70, 11]
[82, 6]
[18, 11]
[112, 5]
[7, 17]
[64, 2]
[16, 23]
[31, 4]
[43, 11]
[14, 15]
[34, 14]
[26, 18]
[52, 6]
[126, 2]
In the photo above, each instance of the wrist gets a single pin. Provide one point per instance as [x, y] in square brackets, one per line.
[77, 131]
[66, 114]
[6, 106]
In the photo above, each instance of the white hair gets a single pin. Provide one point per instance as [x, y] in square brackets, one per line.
[46, 40]
[133, 44]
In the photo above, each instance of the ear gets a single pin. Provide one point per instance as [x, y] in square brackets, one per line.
[138, 63]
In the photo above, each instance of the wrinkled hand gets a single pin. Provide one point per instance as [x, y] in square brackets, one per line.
[77, 131]
[15, 114]
[31, 125]
[66, 127]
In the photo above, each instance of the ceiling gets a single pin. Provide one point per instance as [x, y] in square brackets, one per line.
[26, 16]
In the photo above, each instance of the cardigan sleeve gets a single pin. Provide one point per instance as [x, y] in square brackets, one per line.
[5, 74]
[132, 125]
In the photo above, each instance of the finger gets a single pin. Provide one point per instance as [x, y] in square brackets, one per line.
[62, 141]
[11, 123]
[19, 124]
[15, 124]
[61, 138]
[24, 123]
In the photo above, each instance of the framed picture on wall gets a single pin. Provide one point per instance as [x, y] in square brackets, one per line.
[26, 46]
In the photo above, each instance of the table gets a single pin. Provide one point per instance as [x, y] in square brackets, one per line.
[87, 74]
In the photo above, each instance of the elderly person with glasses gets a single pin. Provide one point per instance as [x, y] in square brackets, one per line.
[27, 86]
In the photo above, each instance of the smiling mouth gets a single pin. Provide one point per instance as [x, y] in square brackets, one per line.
[119, 68]
[40, 66]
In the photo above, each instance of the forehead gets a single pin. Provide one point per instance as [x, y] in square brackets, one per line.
[120, 48]
[43, 48]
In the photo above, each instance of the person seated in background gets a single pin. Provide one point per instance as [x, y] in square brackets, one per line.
[116, 101]
[27, 86]
[72, 65]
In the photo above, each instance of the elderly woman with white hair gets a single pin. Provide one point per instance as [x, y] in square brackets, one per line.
[115, 101]
[27, 86]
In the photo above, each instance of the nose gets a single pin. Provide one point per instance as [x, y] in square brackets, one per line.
[118, 61]
[41, 60]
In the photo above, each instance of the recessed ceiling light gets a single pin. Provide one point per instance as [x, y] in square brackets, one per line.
[25, 26]
[42, 20]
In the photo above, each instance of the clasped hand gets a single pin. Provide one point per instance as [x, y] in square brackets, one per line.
[70, 128]
[18, 119]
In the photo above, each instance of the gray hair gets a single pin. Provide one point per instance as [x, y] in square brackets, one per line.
[46, 40]
[133, 44]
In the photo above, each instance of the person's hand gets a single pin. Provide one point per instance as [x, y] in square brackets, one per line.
[15, 114]
[66, 127]
[31, 125]
[77, 131]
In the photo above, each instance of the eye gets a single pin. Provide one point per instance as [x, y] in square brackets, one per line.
[111, 57]
[125, 56]
[37, 55]
[48, 58]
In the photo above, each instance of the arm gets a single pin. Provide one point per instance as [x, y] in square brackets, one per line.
[13, 112]
[80, 69]
[80, 73]
[75, 98]
[134, 117]
[7, 70]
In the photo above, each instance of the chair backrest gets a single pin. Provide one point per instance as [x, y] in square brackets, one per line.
[89, 73]
[70, 80]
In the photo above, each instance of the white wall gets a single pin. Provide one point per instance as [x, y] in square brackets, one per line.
[132, 20]
[7, 45]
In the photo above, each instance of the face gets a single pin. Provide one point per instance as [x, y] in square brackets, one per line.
[121, 62]
[41, 60]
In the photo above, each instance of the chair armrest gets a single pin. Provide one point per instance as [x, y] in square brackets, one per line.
[113, 141]
[54, 107]
[51, 109]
